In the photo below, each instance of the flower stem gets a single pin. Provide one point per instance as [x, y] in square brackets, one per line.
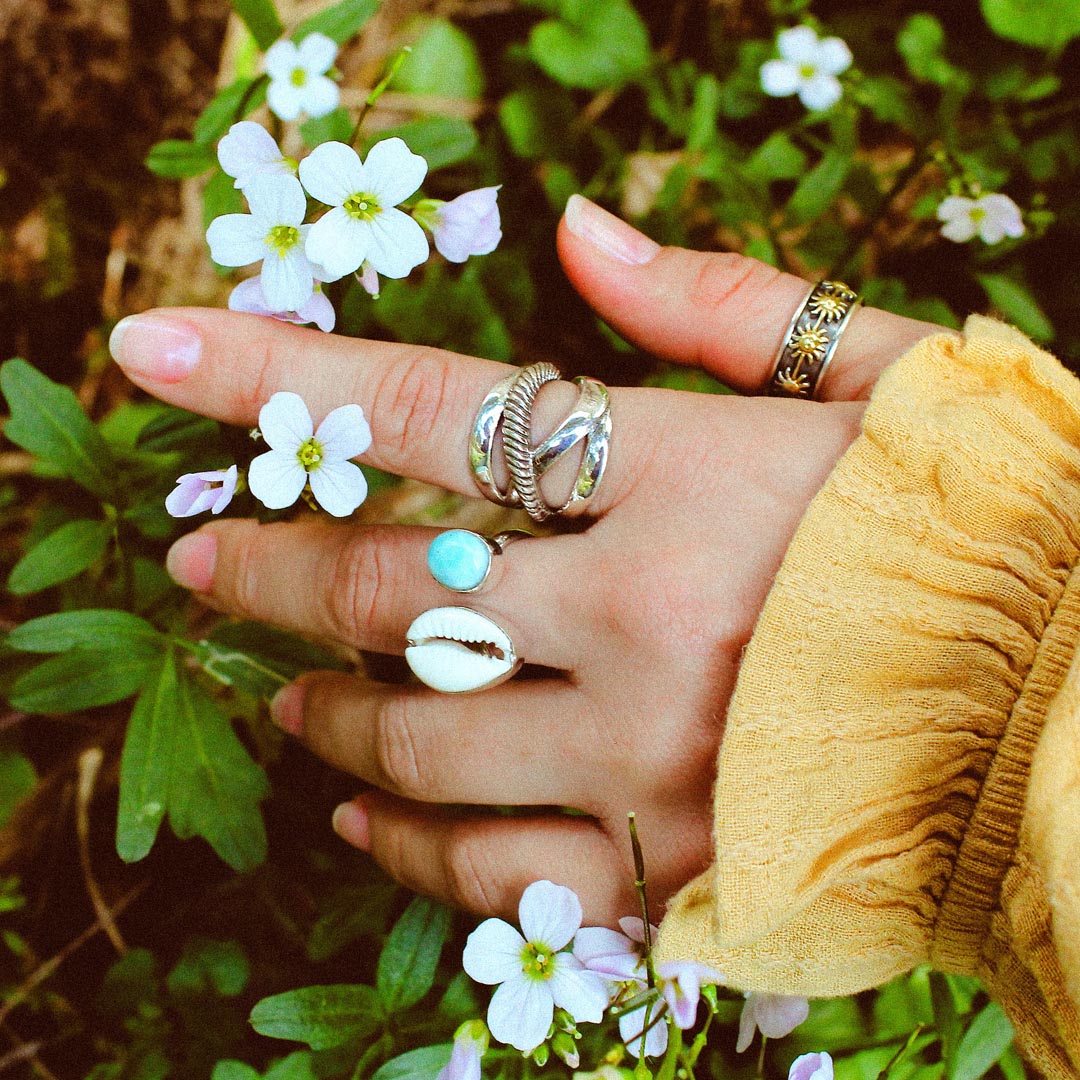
[902, 1052]
[377, 91]
[639, 886]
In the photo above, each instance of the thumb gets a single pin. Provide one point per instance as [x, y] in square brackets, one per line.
[723, 312]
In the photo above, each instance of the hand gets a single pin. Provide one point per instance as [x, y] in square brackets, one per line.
[641, 617]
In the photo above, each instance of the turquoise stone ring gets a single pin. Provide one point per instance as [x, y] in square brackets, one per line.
[461, 560]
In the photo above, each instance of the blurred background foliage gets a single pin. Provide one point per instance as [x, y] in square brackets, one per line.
[125, 958]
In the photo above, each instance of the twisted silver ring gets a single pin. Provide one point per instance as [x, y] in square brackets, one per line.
[811, 339]
[509, 403]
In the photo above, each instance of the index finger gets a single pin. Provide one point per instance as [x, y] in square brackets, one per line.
[419, 401]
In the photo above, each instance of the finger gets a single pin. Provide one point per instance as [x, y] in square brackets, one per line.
[420, 402]
[403, 740]
[484, 863]
[719, 310]
[364, 586]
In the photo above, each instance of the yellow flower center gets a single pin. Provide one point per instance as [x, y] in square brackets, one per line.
[807, 71]
[298, 77]
[538, 961]
[977, 214]
[310, 454]
[281, 238]
[363, 206]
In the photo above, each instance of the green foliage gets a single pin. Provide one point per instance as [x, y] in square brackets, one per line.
[62, 555]
[18, 777]
[261, 19]
[321, 1016]
[443, 62]
[983, 1044]
[339, 21]
[1045, 24]
[407, 963]
[178, 159]
[443, 140]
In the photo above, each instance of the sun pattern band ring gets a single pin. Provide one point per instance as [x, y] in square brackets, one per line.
[811, 340]
[509, 404]
[460, 560]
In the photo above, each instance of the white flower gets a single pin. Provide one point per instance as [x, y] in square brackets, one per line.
[809, 67]
[364, 224]
[656, 1038]
[273, 232]
[615, 956]
[248, 150]
[774, 1015]
[249, 296]
[680, 985]
[534, 973]
[298, 457]
[817, 1066]
[470, 1043]
[993, 217]
[467, 225]
[298, 80]
[196, 492]
[369, 280]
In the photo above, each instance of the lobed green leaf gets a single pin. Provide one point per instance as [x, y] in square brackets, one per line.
[65, 553]
[81, 679]
[321, 1016]
[407, 963]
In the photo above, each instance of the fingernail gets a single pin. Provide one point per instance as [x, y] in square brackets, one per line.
[350, 822]
[191, 559]
[287, 708]
[607, 232]
[156, 347]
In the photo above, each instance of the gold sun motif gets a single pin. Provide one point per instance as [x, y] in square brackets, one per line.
[827, 307]
[809, 343]
[790, 382]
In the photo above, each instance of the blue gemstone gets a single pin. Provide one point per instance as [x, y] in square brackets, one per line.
[459, 559]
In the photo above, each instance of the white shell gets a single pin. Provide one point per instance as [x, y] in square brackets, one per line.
[439, 657]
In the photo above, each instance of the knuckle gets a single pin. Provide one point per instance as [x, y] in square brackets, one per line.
[396, 753]
[723, 278]
[409, 402]
[468, 879]
[354, 588]
[240, 586]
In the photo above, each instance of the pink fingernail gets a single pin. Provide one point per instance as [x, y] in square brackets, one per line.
[287, 708]
[350, 822]
[191, 560]
[607, 232]
[156, 347]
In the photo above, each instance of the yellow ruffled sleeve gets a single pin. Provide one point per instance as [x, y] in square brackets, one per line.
[899, 778]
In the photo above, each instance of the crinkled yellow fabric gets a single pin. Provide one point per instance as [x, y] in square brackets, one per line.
[899, 778]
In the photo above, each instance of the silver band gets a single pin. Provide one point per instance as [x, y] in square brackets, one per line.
[811, 339]
[510, 403]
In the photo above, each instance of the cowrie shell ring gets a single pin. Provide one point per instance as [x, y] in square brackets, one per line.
[458, 651]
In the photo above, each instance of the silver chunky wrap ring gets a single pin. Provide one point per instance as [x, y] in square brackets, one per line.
[509, 405]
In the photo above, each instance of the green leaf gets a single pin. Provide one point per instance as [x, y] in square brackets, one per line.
[921, 42]
[17, 779]
[442, 140]
[48, 421]
[321, 1016]
[777, 158]
[339, 22]
[1014, 301]
[177, 429]
[299, 1065]
[261, 19]
[62, 555]
[817, 190]
[220, 196]
[946, 1018]
[234, 1070]
[536, 122]
[410, 956]
[222, 111]
[354, 910]
[989, 1036]
[335, 126]
[1045, 24]
[595, 44]
[209, 967]
[90, 628]
[81, 679]
[178, 159]
[146, 765]
[216, 788]
[423, 1063]
[444, 62]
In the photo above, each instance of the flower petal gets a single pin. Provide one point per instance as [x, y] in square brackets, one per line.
[393, 172]
[468, 225]
[959, 229]
[317, 53]
[247, 146]
[1005, 213]
[248, 296]
[397, 244]
[285, 422]
[339, 487]
[321, 96]
[318, 310]
[820, 92]
[818, 1066]
[520, 1012]
[284, 99]
[236, 240]
[607, 952]
[833, 56]
[281, 58]
[287, 280]
[190, 496]
[338, 243]
[656, 1039]
[493, 952]
[549, 914]
[779, 1015]
[800, 45]
[779, 78]
[747, 1024]
[344, 434]
[276, 479]
[332, 172]
[954, 206]
[582, 993]
[227, 490]
[276, 200]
